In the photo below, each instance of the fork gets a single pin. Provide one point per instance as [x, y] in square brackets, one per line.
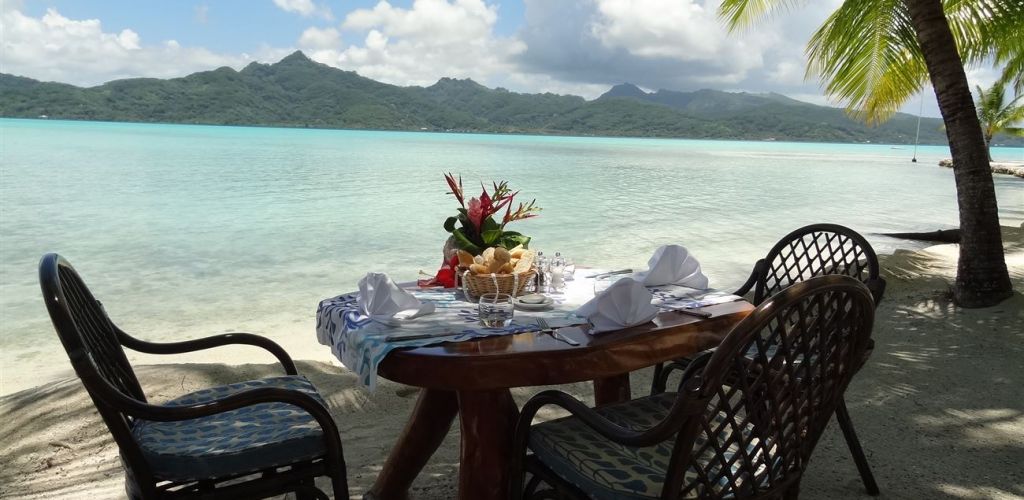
[543, 325]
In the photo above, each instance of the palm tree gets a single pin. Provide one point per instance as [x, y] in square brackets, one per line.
[876, 54]
[998, 116]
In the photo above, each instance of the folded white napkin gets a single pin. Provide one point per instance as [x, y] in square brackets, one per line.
[626, 303]
[673, 265]
[383, 300]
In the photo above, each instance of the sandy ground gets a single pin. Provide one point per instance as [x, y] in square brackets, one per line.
[939, 408]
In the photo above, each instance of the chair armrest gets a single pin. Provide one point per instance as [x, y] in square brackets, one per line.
[663, 372]
[210, 342]
[160, 413]
[752, 279]
[610, 430]
[112, 397]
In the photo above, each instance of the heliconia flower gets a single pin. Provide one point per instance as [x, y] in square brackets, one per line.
[486, 207]
[456, 189]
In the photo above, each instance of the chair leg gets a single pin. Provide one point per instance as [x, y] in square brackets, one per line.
[793, 493]
[843, 416]
[657, 382]
[339, 485]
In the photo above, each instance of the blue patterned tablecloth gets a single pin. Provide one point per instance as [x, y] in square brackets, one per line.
[361, 343]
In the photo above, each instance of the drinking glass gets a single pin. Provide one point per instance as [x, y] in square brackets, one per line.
[569, 270]
[556, 277]
[496, 310]
[604, 282]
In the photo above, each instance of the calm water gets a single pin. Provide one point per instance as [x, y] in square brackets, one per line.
[184, 231]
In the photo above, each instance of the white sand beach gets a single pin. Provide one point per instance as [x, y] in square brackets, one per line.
[939, 407]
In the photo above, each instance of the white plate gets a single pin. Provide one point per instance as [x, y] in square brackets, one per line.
[548, 302]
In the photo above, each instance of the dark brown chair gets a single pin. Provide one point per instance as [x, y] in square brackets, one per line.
[248, 440]
[742, 425]
[814, 250]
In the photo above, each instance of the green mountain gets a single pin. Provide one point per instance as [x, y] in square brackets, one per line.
[297, 92]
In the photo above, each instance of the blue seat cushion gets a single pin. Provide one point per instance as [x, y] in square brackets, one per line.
[607, 470]
[234, 442]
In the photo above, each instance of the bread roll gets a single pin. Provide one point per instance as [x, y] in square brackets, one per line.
[502, 255]
[525, 262]
[465, 258]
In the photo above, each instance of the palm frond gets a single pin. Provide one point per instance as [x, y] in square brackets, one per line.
[739, 14]
[986, 28]
[867, 56]
[1013, 72]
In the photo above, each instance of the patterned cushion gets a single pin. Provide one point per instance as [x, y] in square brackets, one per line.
[606, 470]
[238, 441]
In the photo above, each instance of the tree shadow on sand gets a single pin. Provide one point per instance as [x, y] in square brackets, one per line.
[939, 407]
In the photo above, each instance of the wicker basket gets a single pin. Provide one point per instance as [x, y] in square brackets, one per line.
[475, 285]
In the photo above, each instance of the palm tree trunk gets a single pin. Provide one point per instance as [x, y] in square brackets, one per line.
[981, 279]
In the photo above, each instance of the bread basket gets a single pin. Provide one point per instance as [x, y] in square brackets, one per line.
[475, 285]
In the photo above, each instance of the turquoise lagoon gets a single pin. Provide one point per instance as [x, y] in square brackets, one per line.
[184, 231]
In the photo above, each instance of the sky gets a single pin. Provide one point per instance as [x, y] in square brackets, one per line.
[579, 47]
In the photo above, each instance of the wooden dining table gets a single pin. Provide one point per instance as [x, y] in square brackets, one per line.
[473, 379]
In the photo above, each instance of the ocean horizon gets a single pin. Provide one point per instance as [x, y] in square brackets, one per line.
[189, 230]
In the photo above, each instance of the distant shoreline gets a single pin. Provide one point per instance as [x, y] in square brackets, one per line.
[518, 134]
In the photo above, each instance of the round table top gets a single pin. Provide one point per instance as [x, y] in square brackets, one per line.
[531, 359]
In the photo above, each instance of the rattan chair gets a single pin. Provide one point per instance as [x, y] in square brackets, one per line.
[247, 440]
[814, 250]
[742, 425]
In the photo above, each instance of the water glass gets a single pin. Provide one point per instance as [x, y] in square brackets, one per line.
[569, 270]
[496, 310]
[556, 277]
[604, 282]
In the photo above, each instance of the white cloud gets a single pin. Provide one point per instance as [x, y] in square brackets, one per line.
[54, 47]
[320, 38]
[305, 8]
[684, 30]
[420, 44]
[667, 44]
[321, 44]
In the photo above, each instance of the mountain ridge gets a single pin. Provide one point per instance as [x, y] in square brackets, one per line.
[299, 92]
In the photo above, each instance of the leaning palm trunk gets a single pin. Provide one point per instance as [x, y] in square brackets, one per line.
[982, 279]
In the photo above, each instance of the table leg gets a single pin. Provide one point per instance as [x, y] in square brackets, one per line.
[613, 389]
[488, 420]
[426, 429]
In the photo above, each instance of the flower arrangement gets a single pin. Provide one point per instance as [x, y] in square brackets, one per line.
[474, 229]
[476, 233]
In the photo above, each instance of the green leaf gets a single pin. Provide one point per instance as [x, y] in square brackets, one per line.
[491, 231]
[449, 223]
[463, 243]
[512, 239]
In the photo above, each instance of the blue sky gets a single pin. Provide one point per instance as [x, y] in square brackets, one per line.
[580, 47]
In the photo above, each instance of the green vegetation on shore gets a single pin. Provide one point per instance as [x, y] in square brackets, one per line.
[298, 92]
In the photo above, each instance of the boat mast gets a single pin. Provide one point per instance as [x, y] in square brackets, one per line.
[917, 136]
